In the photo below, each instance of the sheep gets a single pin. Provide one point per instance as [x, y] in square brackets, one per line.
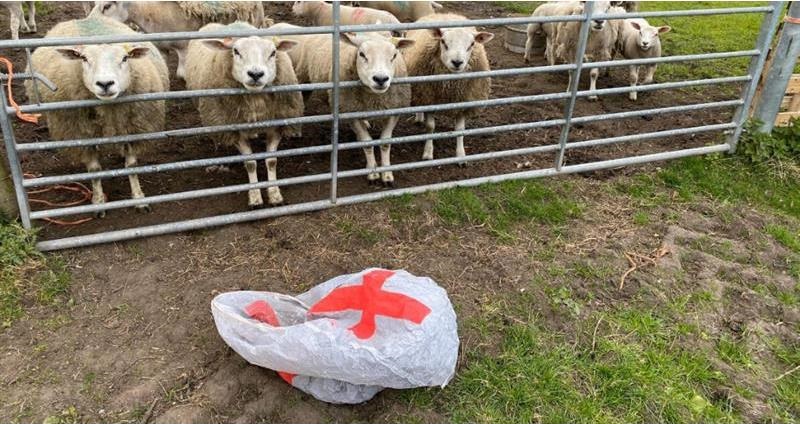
[548, 30]
[321, 13]
[252, 63]
[629, 6]
[638, 40]
[443, 51]
[103, 72]
[16, 17]
[600, 45]
[169, 16]
[404, 10]
[371, 58]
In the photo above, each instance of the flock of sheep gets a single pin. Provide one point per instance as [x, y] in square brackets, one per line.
[106, 71]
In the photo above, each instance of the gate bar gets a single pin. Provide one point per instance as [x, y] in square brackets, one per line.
[13, 161]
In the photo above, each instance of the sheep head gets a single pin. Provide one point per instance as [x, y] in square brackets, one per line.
[648, 35]
[106, 67]
[375, 58]
[254, 62]
[117, 10]
[456, 46]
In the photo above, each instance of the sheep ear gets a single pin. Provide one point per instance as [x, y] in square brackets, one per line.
[636, 26]
[350, 38]
[138, 52]
[286, 45]
[664, 29]
[402, 43]
[436, 32]
[224, 44]
[483, 37]
[72, 53]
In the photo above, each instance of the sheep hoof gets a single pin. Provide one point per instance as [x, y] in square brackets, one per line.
[427, 156]
[276, 204]
[374, 182]
[462, 165]
[256, 206]
[388, 184]
[592, 98]
[143, 208]
[100, 214]
[647, 117]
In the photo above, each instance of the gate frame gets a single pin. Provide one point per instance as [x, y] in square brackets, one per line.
[742, 104]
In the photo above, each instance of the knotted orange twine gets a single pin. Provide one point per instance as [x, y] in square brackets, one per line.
[27, 117]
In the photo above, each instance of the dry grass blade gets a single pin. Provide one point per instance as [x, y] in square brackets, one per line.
[642, 261]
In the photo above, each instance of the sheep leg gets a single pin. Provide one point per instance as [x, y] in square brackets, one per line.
[386, 177]
[32, 16]
[363, 135]
[273, 193]
[254, 196]
[593, 74]
[98, 197]
[461, 123]
[430, 125]
[136, 189]
[532, 28]
[14, 16]
[633, 76]
[419, 118]
[181, 71]
[650, 71]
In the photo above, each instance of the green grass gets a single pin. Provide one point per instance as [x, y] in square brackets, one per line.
[634, 377]
[27, 274]
[790, 239]
[500, 207]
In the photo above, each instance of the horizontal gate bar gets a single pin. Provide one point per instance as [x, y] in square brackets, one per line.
[188, 94]
[194, 194]
[148, 169]
[46, 145]
[194, 224]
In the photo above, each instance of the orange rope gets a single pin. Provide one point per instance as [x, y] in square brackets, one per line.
[27, 117]
[74, 187]
[791, 20]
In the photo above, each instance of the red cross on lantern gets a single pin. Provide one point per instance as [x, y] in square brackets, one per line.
[371, 300]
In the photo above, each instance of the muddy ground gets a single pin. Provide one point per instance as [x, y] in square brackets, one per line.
[137, 341]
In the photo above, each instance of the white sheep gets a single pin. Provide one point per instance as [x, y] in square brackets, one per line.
[446, 51]
[547, 29]
[373, 59]
[404, 10]
[320, 13]
[171, 16]
[252, 63]
[103, 72]
[16, 17]
[629, 6]
[600, 45]
[638, 40]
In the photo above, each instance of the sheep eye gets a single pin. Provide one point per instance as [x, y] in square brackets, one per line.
[274, 52]
[106, 7]
[471, 45]
[124, 59]
[394, 56]
[236, 52]
[363, 56]
[444, 45]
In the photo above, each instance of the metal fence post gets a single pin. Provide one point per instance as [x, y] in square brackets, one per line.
[777, 79]
[768, 26]
[575, 78]
[335, 104]
[14, 164]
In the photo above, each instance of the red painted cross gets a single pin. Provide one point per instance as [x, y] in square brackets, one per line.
[371, 300]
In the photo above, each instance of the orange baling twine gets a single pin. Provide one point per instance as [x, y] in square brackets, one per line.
[27, 117]
[86, 194]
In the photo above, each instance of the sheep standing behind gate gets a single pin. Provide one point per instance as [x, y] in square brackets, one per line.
[321, 13]
[444, 51]
[104, 72]
[16, 17]
[404, 10]
[638, 40]
[252, 63]
[170, 16]
[546, 29]
[373, 59]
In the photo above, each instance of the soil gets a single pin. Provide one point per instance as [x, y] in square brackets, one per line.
[137, 342]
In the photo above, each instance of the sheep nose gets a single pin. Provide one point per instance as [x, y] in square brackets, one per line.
[105, 85]
[380, 79]
[457, 63]
[255, 75]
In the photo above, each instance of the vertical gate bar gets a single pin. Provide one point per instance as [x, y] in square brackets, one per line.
[335, 105]
[575, 78]
[777, 79]
[14, 164]
[35, 83]
[768, 27]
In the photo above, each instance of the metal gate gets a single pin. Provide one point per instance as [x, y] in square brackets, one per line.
[771, 13]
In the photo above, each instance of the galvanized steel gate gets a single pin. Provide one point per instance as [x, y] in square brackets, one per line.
[771, 13]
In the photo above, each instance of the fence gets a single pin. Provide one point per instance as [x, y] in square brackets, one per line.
[757, 57]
